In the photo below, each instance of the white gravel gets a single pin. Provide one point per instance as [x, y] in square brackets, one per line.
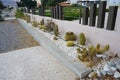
[33, 63]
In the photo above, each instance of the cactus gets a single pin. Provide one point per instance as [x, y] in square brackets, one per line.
[100, 51]
[70, 43]
[82, 39]
[49, 25]
[55, 30]
[42, 22]
[34, 23]
[78, 50]
[70, 36]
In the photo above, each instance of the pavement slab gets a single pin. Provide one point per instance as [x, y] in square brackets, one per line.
[13, 36]
[33, 63]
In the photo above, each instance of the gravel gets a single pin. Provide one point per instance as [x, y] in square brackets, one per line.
[13, 36]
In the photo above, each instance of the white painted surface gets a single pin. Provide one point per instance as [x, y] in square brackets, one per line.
[33, 63]
[94, 35]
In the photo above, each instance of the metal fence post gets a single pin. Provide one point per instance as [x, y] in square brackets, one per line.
[112, 17]
[92, 14]
[85, 15]
[101, 14]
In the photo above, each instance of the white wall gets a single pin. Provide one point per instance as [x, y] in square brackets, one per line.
[94, 35]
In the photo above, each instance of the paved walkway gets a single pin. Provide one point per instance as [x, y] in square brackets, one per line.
[33, 63]
[13, 36]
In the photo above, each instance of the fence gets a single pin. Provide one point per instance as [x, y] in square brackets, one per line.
[88, 14]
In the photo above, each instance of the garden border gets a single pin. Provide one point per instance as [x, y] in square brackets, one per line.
[76, 66]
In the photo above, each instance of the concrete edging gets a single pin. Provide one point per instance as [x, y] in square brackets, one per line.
[77, 67]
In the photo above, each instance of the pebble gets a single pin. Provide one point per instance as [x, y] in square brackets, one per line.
[116, 74]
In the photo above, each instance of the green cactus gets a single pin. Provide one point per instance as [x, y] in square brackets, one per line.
[70, 36]
[42, 22]
[34, 23]
[49, 25]
[55, 30]
[82, 39]
[70, 43]
[100, 51]
[28, 18]
[78, 50]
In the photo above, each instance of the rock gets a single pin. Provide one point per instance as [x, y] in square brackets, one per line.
[116, 74]
[92, 74]
[103, 72]
[118, 67]
[101, 56]
[108, 70]
[98, 73]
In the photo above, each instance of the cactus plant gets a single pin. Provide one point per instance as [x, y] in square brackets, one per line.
[34, 23]
[42, 22]
[82, 39]
[49, 25]
[70, 43]
[70, 36]
[100, 51]
[78, 50]
[55, 30]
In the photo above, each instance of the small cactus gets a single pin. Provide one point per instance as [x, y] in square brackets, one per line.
[49, 25]
[82, 39]
[42, 22]
[70, 43]
[34, 23]
[70, 36]
[100, 51]
[55, 30]
[78, 50]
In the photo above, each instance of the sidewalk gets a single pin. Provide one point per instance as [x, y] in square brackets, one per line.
[33, 63]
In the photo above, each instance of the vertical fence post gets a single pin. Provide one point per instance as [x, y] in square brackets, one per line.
[33, 10]
[92, 14]
[61, 15]
[40, 11]
[55, 12]
[101, 14]
[57, 9]
[52, 12]
[28, 10]
[112, 17]
[85, 15]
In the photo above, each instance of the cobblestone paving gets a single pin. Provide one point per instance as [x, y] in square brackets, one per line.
[13, 36]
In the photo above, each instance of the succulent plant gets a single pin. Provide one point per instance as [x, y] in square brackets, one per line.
[49, 25]
[78, 50]
[34, 23]
[82, 39]
[70, 43]
[55, 30]
[42, 22]
[70, 36]
[102, 50]
[27, 18]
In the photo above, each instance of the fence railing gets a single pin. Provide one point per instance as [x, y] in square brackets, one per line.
[87, 14]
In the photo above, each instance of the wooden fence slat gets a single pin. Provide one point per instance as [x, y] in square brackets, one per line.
[112, 17]
[101, 14]
[92, 14]
[85, 15]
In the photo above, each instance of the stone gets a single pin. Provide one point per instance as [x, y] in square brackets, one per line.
[116, 74]
[108, 70]
[118, 67]
[103, 72]
[92, 74]
[98, 73]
